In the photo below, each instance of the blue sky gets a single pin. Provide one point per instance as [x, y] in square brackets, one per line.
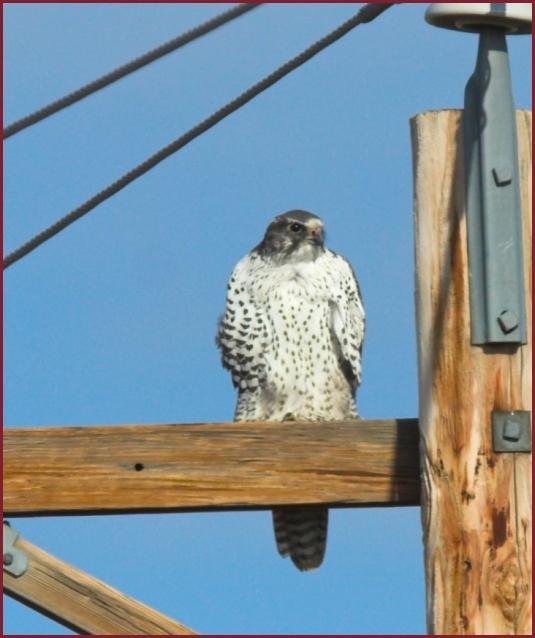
[113, 320]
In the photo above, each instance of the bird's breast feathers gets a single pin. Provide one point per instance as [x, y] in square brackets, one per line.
[311, 280]
[291, 336]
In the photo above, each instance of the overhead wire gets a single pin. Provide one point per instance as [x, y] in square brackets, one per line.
[126, 69]
[366, 14]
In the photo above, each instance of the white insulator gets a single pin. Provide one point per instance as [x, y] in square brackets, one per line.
[514, 17]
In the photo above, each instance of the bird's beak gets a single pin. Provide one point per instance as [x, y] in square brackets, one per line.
[315, 232]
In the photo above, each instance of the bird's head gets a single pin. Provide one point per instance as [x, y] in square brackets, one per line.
[293, 236]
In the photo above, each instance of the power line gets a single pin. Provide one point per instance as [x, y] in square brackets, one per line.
[125, 69]
[367, 13]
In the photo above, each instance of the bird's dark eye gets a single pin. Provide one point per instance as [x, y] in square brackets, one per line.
[295, 228]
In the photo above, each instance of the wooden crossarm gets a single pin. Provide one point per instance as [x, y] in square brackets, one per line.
[123, 469]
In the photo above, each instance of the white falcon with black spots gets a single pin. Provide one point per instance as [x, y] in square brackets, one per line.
[291, 336]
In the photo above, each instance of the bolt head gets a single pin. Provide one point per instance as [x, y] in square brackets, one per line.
[8, 559]
[511, 430]
[503, 175]
[508, 321]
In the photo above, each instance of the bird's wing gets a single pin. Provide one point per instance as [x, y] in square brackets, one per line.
[347, 319]
[243, 332]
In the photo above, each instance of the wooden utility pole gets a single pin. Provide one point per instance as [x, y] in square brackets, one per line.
[476, 503]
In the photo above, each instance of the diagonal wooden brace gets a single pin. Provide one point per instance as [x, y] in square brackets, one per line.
[83, 603]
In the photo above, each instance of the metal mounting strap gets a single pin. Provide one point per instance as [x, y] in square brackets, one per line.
[15, 560]
[494, 220]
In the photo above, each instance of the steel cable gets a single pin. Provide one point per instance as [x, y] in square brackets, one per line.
[125, 69]
[365, 14]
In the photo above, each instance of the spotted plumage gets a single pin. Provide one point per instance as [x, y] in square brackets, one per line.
[291, 337]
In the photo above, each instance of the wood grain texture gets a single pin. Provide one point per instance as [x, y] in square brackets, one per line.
[205, 466]
[476, 504]
[81, 602]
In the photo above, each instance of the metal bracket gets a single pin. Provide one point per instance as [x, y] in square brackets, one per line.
[15, 560]
[494, 220]
[511, 431]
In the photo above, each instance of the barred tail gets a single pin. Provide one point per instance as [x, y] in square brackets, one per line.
[301, 533]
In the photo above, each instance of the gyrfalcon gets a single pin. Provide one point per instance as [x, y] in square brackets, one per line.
[291, 336]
